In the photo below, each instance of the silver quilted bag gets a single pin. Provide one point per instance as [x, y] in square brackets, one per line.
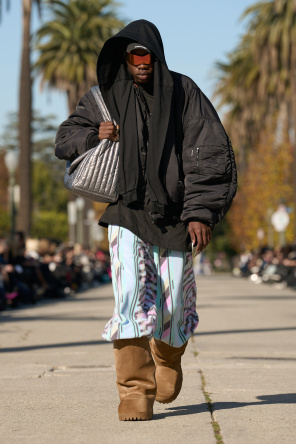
[93, 175]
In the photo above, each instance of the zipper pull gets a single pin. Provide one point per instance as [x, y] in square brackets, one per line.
[197, 152]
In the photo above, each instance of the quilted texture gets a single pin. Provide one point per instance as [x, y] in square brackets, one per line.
[93, 175]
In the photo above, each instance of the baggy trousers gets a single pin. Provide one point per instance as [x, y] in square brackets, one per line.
[154, 289]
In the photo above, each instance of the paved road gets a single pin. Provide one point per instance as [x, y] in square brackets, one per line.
[57, 376]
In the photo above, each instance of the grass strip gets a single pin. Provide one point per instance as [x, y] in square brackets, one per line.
[215, 424]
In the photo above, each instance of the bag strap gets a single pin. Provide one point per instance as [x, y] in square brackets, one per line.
[96, 92]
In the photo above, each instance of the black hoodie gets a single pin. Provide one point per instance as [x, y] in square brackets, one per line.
[190, 161]
[116, 84]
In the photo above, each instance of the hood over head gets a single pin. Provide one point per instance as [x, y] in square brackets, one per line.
[116, 84]
[111, 57]
[135, 45]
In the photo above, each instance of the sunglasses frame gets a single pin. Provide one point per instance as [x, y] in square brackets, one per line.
[133, 59]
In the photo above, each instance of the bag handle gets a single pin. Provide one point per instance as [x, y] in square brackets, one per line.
[96, 92]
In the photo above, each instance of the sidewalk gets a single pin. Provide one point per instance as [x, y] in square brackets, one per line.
[57, 375]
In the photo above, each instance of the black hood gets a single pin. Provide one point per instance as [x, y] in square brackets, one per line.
[116, 84]
[111, 57]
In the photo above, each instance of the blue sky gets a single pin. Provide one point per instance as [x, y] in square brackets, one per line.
[196, 34]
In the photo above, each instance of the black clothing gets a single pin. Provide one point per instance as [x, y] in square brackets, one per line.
[116, 84]
[143, 121]
[147, 91]
[79, 132]
[167, 233]
[191, 162]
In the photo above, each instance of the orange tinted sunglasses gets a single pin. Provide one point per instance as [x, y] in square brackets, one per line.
[135, 59]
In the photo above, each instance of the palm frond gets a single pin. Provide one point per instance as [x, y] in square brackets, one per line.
[69, 43]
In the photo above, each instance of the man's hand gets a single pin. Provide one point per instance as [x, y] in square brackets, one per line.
[109, 131]
[200, 235]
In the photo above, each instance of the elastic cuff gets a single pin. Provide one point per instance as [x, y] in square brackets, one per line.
[210, 225]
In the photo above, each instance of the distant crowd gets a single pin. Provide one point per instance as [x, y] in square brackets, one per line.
[34, 269]
[273, 266]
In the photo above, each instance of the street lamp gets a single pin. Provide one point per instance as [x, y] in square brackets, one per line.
[80, 206]
[11, 163]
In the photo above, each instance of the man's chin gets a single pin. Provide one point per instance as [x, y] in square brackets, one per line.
[143, 79]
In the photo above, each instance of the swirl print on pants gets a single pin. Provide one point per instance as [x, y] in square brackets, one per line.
[154, 289]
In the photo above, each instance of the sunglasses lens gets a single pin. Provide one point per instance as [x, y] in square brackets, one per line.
[135, 59]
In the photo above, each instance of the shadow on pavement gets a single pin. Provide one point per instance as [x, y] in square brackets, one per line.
[185, 410]
[274, 399]
[80, 295]
[258, 297]
[55, 345]
[111, 297]
[12, 318]
[263, 358]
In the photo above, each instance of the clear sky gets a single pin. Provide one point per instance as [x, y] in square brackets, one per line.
[196, 34]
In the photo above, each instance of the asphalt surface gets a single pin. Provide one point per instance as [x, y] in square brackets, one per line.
[57, 375]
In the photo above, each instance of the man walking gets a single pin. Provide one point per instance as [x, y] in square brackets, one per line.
[177, 179]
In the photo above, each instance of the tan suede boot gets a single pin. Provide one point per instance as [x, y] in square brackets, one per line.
[135, 370]
[169, 376]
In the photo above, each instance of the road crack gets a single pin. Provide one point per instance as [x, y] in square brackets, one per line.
[210, 405]
[215, 423]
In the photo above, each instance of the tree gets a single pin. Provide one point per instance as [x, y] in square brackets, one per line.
[48, 192]
[237, 91]
[25, 107]
[266, 183]
[69, 45]
[25, 113]
[259, 81]
[273, 29]
[43, 130]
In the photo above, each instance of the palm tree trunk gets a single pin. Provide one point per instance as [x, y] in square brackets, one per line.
[73, 95]
[25, 107]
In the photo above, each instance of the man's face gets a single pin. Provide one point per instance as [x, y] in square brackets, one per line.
[142, 73]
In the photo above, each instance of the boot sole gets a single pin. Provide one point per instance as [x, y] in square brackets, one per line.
[134, 417]
[135, 409]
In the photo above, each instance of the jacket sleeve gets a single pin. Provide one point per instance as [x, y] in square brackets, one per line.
[79, 132]
[210, 176]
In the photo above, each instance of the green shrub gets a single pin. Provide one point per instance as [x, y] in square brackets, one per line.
[5, 224]
[50, 224]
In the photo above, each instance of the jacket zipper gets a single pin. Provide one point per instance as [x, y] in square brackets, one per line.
[197, 154]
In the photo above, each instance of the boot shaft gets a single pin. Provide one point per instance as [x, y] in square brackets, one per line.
[135, 368]
[164, 354]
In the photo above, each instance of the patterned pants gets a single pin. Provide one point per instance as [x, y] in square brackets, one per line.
[154, 288]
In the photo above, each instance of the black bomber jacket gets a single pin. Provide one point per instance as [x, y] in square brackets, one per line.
[199, 172]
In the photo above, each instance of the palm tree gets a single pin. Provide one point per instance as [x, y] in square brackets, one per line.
[69, 45]
[25, 106]
[259, 79]
[237, 92]
[251, 97]
[25, 113]
[273, 30]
